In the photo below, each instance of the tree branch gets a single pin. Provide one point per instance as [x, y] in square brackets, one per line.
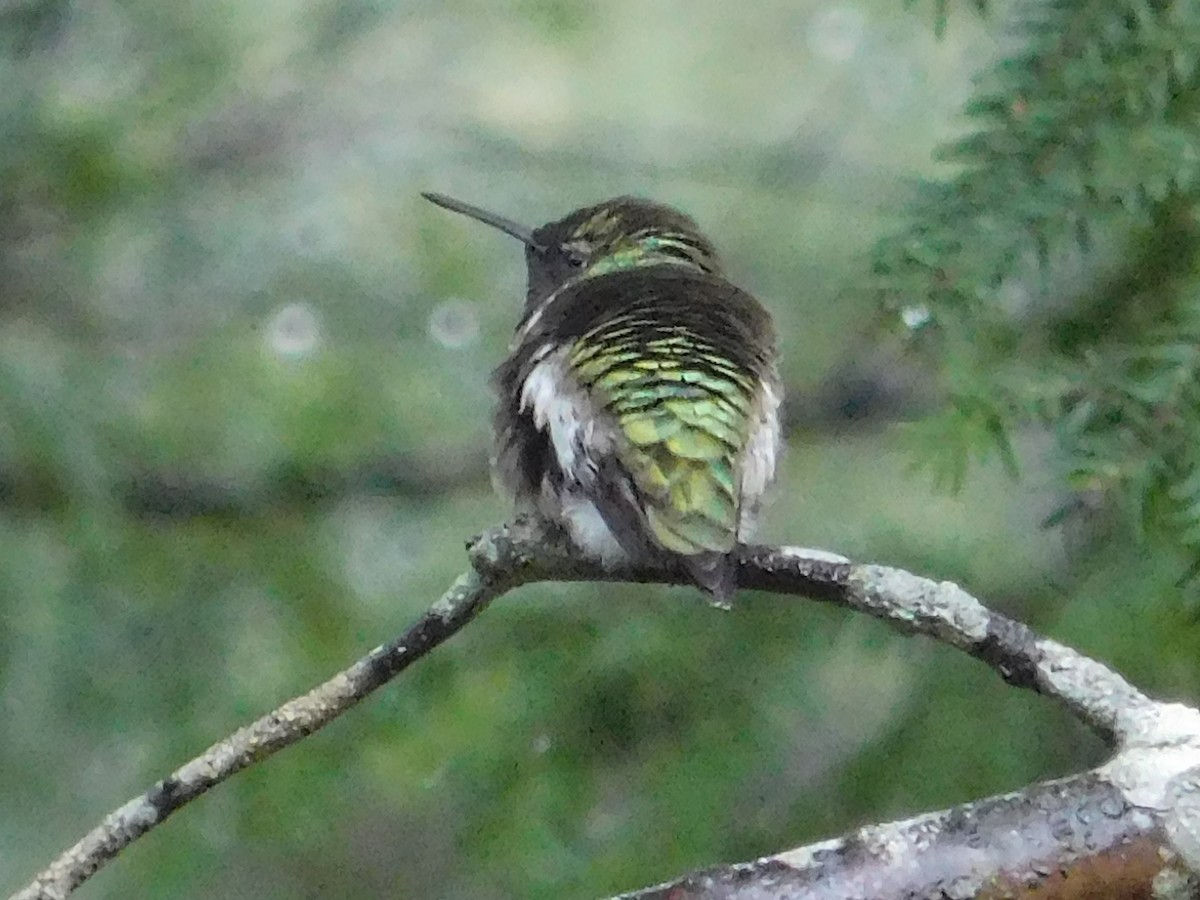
[281, 728]
[1074, 838]
[1158, 743]
[855, 392]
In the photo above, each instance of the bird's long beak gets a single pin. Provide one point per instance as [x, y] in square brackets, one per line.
[520, 232]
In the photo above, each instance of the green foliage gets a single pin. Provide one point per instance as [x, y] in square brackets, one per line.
[1083, 139]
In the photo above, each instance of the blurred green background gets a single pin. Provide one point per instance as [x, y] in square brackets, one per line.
[244, 428]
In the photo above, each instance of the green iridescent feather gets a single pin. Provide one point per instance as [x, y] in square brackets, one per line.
[684, 414]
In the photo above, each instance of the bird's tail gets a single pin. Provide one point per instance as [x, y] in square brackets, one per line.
[716, 574]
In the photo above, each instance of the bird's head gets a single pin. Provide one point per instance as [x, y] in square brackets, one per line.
[622, 233]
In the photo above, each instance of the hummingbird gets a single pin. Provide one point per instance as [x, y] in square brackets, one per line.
[639, 403]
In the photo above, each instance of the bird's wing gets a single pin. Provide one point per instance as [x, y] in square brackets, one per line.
[653, 394]
[684, 415]
[678, 369]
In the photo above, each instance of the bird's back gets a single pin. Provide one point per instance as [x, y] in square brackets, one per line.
[652, 393]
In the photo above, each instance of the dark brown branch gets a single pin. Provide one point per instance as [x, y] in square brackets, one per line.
[175, 495]
[1157, 742]
[854, 394]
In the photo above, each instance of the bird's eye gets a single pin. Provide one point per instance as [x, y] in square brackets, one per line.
[575, 256]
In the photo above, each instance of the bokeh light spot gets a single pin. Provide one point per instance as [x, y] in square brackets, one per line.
[837, 33]
[454, 324]
[294, 331]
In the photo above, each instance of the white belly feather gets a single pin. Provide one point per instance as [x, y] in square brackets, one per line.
[589, 531]
[759, 457]
[560, 408]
